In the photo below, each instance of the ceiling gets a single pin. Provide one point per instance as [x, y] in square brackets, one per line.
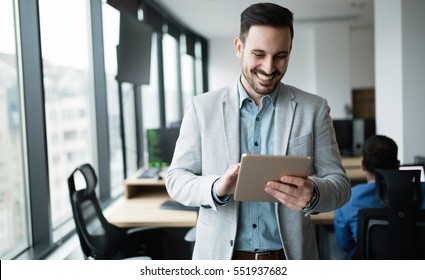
[220, 18]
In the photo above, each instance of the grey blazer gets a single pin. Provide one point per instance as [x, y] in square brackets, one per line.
[209, 143]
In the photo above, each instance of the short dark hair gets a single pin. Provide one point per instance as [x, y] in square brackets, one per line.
[265, 14]
[380, 152]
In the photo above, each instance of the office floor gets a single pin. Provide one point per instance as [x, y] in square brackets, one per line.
[327, 244]
[328, 249]
[171, 245]
[77, 254]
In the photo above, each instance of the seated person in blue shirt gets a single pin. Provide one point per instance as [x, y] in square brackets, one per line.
[378, 152]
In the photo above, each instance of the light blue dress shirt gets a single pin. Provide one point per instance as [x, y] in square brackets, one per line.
[257, 226]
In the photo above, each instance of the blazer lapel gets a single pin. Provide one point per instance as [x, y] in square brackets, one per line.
[231, 120]
[285, 110]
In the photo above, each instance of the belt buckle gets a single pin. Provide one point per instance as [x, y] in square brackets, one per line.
[258, 255]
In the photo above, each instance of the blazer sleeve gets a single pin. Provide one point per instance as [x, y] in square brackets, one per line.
[333, 184]
[184, 182]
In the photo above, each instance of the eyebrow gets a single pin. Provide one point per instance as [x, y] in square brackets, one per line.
[279, 53]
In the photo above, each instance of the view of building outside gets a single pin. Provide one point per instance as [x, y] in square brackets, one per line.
[69, 109]
[14, 234]
[111, 25]
[69, 96]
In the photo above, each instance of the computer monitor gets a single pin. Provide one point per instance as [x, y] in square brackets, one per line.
[362, 129]
[160, 145]
[420, 159]
[344, 136]
[134, 51]
[419, 167]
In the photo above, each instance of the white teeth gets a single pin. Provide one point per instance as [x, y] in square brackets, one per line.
[264, 77]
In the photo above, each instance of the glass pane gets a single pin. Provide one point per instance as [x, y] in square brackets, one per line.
[68, 87]
[130, 127]
[188, 78]
[150, 92]
[170, 50]
[111, 24]
[198, 68]
[14, 234]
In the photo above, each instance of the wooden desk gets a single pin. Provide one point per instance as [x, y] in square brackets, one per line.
[143, 197]
[353, 169]
[324, 218]
[135, 186]
[141, 207]
[144, 210]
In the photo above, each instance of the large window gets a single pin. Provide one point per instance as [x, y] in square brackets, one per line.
[14, 234]
[171, 65]
[199, 68]
[111, 25]
[68, 93]
[150, 92]
[128, 99]
[60, 107]
[188, 75]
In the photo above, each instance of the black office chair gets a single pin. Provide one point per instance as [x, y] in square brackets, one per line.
[396, 231]
[100, 239]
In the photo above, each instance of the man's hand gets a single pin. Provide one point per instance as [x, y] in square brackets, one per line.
[294, 192]
[227, 183]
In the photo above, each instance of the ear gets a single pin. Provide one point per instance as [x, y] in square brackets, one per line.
[362, 165]
[238, 47]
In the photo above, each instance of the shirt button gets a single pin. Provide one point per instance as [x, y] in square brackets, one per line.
[257, 119]
[254, 226]
[255, 143]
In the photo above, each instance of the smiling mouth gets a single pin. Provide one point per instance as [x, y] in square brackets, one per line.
[264, 77]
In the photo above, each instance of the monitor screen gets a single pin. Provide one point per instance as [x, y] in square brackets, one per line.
[419, 167]
[161, 143]
[344, 136]
[134, 51]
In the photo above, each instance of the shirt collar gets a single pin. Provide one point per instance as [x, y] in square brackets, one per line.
[243, 95]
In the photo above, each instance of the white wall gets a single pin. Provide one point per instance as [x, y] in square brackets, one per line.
[321, 62]
[302, 63]
[223, 64]
[413, 78]
[388, 71]
[400, 82]
[333, 66]
[362, 58]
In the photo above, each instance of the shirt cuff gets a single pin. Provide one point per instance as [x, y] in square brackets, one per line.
[219, 200]
[316, 189]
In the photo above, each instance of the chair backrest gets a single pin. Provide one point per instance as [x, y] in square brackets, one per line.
[98, 238]
[396, 231]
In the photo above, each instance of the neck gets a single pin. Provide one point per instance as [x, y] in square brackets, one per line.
[370, 177]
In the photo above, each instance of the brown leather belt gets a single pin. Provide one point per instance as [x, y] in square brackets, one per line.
[272, 255]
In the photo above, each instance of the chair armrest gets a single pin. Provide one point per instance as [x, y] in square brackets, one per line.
[137, 230]
[190, 235]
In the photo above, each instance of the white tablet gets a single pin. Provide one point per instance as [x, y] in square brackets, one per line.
[256, 170]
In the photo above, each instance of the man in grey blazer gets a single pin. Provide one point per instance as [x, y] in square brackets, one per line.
[257, 114]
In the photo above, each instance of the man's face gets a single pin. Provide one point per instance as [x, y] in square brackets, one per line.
[264, 58]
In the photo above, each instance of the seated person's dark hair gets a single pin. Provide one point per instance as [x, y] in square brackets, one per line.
[380, 152]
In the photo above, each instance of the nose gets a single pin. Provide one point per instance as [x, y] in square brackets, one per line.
[268, 65]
